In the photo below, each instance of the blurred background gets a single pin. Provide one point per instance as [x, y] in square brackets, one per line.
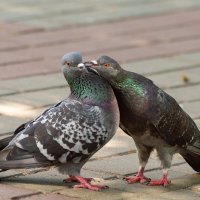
[157, 38]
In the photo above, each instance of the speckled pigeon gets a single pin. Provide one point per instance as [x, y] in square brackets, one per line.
[69, 133]
[153, 119]
[71, 59]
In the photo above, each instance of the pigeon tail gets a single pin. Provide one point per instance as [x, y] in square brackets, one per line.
[5, 141]
[192, 155]
[21, 164]
[23, 160]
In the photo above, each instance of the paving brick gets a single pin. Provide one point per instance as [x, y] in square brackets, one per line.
[195, 188]
[51, 197]
[187, 180]
[22, 112]
[115, 42]
[150, 51]
[128, 164]
[13, 29]
[20, 69]
[104, 194]
[44, 182]
[121, 142]
[38, 98]
[173, 175]
[8, 123]
[192, 109]
[5, 91]
[157, 65]
[9, 173]
[193, 57]
[184, 94]
[185, 168]
[32, 83]
[121, 11]
[177, 184]
[10, 192]
[174, 79]
[180, 195]
[50, 180]
[24, 56]
[138, 26]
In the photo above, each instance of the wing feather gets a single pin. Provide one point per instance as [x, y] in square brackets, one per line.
[70, 130]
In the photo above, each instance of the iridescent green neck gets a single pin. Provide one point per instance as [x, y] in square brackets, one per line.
[128, 82]
[91, 89]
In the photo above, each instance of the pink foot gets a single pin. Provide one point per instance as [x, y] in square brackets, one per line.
[137, 179]
[164, 182]
[73, 179]
[84, 183]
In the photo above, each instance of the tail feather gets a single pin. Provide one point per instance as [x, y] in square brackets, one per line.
[20, 164]
[5, 141]
[23, 159]
[192, 155]
[193, 160]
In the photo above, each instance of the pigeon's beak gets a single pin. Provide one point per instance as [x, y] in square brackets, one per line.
[90, 69]
[81, 66]
[88, 66]
[94, 63]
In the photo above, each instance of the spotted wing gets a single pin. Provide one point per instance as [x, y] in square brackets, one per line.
[69, 132]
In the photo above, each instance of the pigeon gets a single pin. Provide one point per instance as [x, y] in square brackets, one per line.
[71, 59]
[69, 133]
[153, 119]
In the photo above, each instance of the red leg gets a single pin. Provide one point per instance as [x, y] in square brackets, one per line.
[139, 177]
[164, 181]
[84, 183]
[73, 179]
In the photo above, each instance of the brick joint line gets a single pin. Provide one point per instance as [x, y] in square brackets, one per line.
[26, 195]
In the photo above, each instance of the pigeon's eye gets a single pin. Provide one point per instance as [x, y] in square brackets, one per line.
[106, 65]
[67, 63]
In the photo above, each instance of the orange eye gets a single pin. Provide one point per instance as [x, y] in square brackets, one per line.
[107, 65]
[67, 63]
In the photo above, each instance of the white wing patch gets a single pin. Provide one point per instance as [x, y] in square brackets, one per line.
[44, 151]
[78, 148]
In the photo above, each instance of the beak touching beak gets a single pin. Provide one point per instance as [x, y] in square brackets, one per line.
[81, 65]
[94, 63]
[90, 66]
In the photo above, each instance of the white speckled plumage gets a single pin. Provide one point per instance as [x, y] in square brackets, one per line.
[69, 133]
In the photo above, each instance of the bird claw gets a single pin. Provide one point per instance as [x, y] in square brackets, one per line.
[162, 182]
[137, 179]
[84, 183]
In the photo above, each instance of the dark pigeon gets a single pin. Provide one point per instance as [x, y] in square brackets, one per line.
[152, 118]
[69, 133]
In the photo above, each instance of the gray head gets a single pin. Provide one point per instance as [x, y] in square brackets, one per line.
[107, 67]
[86, 85]
[71, 59]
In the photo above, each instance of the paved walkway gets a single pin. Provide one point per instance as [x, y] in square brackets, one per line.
[160, 39]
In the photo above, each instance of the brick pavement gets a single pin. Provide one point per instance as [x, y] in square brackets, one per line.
[160, 39]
